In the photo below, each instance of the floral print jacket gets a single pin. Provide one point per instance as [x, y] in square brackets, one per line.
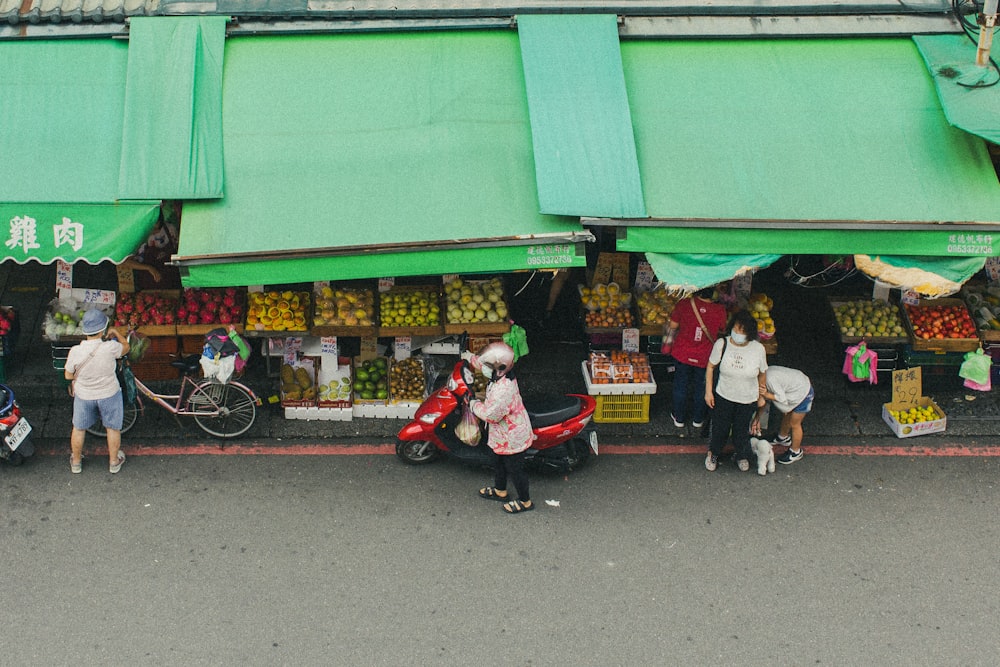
[510, 430]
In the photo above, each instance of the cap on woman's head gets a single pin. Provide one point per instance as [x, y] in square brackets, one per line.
[94, 322]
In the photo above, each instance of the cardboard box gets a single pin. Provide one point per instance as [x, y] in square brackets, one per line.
[916, 428]
[333, 383]
[299, 401]
[907, 386]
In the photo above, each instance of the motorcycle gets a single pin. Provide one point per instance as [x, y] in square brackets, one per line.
[15, 431]
[564, 434]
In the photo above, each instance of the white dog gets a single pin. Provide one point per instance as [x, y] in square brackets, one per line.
[765, 455]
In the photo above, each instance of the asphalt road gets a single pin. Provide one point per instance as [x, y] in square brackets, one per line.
[361, 560]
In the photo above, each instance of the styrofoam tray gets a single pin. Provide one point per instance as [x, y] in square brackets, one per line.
[616, 389]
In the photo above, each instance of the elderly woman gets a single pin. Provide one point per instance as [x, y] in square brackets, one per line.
[740, 362]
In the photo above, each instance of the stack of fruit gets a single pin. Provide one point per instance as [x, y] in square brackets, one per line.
[619, 367]
[370, 380]
[146, 309]
[655, 306]
[63, 320]
[475, 301]
[607, 307]
[278, 311]
[760, 307]
[409, 308]
[865, 318]
[344, 307]
[297, 383]
[211, 306]
[942, 319]
[915, 414]
[407, 381]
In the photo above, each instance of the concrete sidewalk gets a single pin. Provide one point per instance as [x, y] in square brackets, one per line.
[846, 418]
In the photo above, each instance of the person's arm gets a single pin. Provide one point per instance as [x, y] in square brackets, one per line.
[709, 383]
[136, 265]
[122, 340]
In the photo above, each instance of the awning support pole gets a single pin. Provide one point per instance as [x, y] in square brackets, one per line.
[987, 21]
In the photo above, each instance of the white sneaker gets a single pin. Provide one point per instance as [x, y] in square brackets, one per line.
[711, 462]
[115, 467]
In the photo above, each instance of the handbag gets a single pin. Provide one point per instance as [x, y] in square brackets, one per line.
[72, 383]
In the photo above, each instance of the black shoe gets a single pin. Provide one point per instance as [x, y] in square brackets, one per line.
[789, 457]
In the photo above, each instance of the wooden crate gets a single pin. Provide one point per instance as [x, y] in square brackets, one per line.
[477, 328]
[870, 340]
[939, 344]
[155, 367]
[408, 330]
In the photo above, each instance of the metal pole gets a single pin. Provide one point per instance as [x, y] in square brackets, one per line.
[987, 21]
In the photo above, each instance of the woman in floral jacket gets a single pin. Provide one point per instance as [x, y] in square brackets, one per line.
[510, 432]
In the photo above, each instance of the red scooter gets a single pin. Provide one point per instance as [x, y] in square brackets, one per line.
[564, 434]
[15, 431]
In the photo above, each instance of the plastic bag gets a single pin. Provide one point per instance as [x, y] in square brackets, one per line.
[976, 368]
[467, 429]
[517, 338]
[126, 378]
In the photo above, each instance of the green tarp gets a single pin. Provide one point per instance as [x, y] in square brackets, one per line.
[968, 93]
[172, 136]
[682, 272]
[584, 148]
[785, 146]
[373, 140]
[61, 105]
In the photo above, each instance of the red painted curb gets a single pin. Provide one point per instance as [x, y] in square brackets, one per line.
[323, 449]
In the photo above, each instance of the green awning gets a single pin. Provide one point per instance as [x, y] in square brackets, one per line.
[967, 92]
[61, 102]
[74, 232]
[585, 160]
[172, 136]
[756, 238]
[376, 155]
[802, 146]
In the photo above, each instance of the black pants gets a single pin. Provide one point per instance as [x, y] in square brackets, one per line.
[732, 418]
[511, 466]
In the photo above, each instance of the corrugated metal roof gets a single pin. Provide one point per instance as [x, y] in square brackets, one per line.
[76, 18]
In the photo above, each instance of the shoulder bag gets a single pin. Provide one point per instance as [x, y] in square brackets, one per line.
[72, 383]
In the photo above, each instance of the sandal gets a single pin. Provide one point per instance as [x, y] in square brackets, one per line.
[516, 507]
[490, 493]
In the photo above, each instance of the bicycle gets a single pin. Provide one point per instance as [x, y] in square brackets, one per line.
[221, 410]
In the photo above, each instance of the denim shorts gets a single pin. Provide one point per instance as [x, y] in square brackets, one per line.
[807, 403]
[111, 411]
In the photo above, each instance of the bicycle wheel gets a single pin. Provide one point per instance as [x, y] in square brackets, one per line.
[237, 409]
[129, 418]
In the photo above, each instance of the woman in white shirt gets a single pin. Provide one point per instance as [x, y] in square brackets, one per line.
[792, 394]
[740, 362]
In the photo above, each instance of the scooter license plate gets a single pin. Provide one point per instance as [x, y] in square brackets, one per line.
[593, 441]
[17, 434]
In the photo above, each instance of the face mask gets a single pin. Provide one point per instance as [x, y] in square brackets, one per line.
[738, 338]
[487, 372]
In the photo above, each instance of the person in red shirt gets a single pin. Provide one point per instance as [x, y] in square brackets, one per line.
[691, 331]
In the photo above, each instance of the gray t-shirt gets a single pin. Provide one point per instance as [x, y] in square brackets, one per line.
[789, 386]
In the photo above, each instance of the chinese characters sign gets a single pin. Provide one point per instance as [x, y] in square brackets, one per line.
[23, 235]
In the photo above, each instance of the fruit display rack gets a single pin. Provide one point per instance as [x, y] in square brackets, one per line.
[476, 307]
[841, 310]
[964, 342]
[407, 298]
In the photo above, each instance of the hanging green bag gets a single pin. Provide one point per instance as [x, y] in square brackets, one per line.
[859, 362]
[517, 338]
[976, 367]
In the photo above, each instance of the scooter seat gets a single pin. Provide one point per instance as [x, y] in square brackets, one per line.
[552, 410]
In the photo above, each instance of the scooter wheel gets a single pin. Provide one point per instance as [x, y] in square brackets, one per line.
[15, 458]
[579, 453]
[416, 452]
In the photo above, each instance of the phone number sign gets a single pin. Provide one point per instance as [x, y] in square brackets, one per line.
[556, 255]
